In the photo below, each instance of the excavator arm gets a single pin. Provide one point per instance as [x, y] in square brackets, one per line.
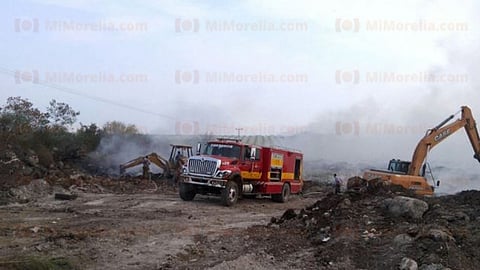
[437, 134]
[131, 163]
[153, 158]
[160, 162]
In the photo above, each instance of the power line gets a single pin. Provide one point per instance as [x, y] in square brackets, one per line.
[95, 98]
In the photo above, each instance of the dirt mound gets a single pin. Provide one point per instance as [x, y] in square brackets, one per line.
[468, 197]
[358, 230]
[79, 183]
[20, 171]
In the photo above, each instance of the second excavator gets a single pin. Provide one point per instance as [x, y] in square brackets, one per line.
[411, 174]
[171, 166]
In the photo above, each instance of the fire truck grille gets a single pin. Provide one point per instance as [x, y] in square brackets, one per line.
[198, 166]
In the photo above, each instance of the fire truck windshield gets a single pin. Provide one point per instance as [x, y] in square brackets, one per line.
[224, 150]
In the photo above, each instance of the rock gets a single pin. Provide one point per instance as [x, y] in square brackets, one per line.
[440, 235]
[310, 222]
[345, 204]
[433, 266]
[462, 216]
[356, 183]
[289, 214]
[408, 264]
[274, 220]
[10, 155]
[27, 170]
[405, 206]
[32, 158]
[36, 189]
[402, 240]
[413, 230]
[78, 176]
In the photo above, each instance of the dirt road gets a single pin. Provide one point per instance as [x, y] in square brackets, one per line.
[147, 231]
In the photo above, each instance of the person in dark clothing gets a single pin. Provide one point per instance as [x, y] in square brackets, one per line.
[146, 168]
[338, 183]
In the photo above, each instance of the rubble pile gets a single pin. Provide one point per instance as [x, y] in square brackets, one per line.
[391, 230]
[24, 179]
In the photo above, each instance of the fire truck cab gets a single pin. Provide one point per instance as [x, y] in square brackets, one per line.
[230, 168]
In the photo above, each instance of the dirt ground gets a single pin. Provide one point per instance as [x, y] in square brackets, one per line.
[150, 230]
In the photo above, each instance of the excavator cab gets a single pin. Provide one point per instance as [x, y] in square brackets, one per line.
[179, 153]
[402, 166]
[398, 166]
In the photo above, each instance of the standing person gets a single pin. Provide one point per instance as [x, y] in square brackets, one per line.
[338, 183]
[146, 168]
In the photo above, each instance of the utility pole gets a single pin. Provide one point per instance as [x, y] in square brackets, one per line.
[238, 131]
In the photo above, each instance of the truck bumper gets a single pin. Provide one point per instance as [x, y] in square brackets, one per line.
[204, 181]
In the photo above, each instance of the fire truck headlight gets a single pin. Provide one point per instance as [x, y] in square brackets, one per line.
[223, 174]
[184, 170]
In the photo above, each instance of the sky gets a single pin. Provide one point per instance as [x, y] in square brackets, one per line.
[263, 67]
[348, 75]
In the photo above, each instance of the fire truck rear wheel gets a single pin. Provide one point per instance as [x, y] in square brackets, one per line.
[282, 197]
[187, 192]
[230, 193]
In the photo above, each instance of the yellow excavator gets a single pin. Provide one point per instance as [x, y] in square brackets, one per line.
[411, 174]
[171, 166]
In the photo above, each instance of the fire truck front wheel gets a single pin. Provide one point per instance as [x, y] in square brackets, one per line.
[282, 197]
[187, 191]
[230, 193]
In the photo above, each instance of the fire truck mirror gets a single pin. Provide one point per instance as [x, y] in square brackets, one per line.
[253, 153]
[199, 148]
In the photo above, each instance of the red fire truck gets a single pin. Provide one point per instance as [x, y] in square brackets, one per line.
[230, 168]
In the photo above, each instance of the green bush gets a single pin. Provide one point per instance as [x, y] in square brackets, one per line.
[24, 128]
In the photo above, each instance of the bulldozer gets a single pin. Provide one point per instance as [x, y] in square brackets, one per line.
[411, 174]
[171, 167]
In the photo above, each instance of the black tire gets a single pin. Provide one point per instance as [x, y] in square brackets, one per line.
[230, 193]
[187, 192]
[282, 197]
